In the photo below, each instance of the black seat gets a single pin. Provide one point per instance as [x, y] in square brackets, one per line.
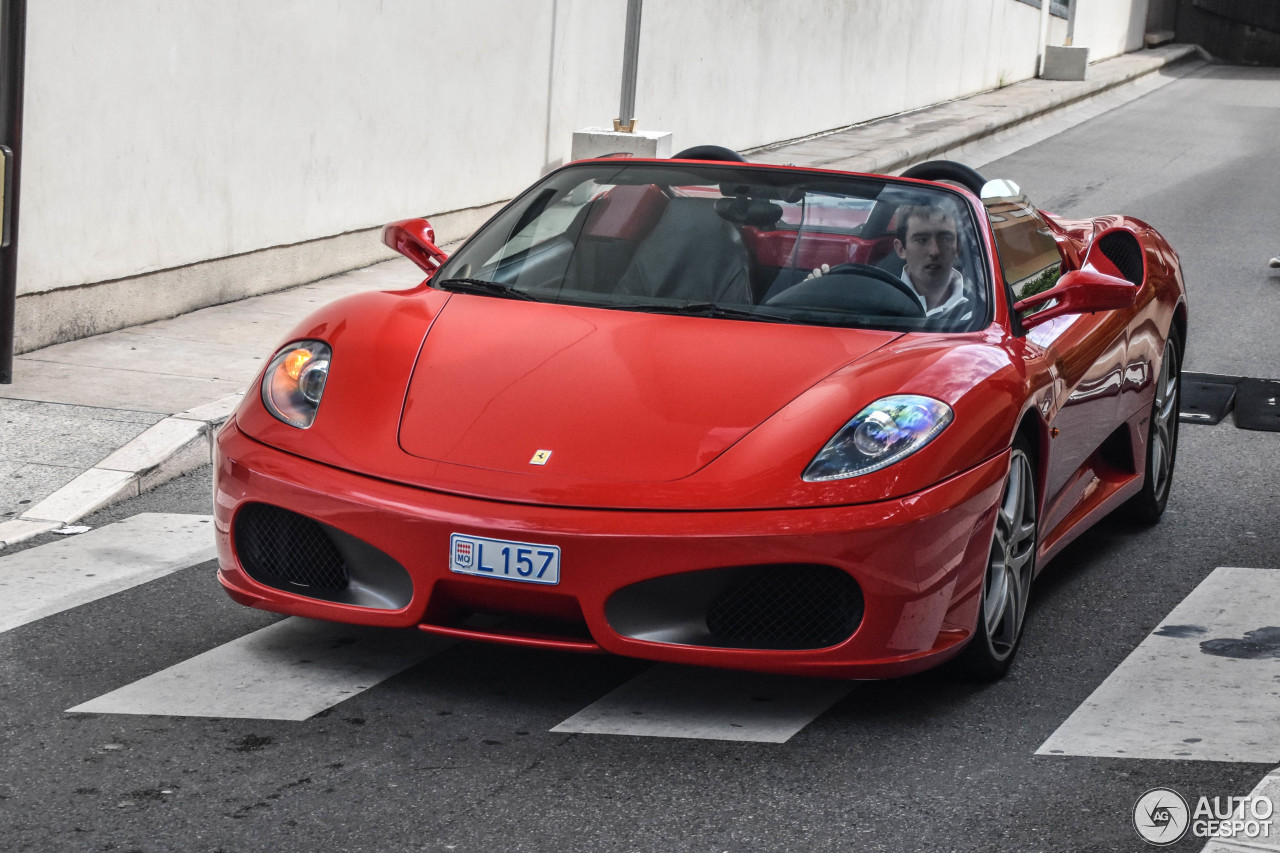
[692, 253]
[892, 264]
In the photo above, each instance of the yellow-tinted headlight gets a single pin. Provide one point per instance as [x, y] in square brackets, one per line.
[294, 382]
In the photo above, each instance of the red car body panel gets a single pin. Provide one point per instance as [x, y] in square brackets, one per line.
[921, 604]
[437, 401]
[590, 381]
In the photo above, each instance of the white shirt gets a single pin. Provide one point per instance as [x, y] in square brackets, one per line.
[956, 304]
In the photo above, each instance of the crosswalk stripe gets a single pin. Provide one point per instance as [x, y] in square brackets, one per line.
[48, 579]
[291, 670]
[686, 702]
[1268, 788]
[1203, 686]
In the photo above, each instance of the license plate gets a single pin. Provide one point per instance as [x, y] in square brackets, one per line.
[498, 558]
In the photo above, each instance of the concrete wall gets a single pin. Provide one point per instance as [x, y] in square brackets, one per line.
[179, 153]
[1110, 27]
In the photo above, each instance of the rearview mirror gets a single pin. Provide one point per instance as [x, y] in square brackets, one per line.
[1080, 291]
[416, 240]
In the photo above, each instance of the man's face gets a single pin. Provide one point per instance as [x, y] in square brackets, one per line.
[929, 251]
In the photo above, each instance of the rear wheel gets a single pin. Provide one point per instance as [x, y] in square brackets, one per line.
[1162, 436]
[1010, 568]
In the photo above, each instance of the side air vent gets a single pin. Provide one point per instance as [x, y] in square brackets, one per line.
[1123, 250]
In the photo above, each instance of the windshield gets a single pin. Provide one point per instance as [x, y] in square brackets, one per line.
[741, 243]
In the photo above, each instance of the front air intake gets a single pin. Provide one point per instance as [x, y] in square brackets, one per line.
[778, 606]
[288, 551]
[786, 607]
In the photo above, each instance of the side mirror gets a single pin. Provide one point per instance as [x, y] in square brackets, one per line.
[1078, 292]
[416, 240]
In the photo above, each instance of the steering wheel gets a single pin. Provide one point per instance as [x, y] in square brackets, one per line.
[875, 272]
[895, 299]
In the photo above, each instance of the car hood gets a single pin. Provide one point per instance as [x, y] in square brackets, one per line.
[605, 395]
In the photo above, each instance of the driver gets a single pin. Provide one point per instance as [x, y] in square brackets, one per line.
[927, 241]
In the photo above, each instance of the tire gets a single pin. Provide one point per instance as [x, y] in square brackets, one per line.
[1006, 586]
[1148, 505]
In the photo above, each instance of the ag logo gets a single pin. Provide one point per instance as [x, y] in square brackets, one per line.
[1161, 817]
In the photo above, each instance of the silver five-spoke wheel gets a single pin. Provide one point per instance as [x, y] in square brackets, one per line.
[1164, 423]
[1013, 551]
[1007, 585]
[1162, 436]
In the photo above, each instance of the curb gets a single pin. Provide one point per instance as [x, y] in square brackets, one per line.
[945, 142]
[911, 147]
[167, 449]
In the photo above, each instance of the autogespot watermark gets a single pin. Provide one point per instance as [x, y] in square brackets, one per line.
[1162, 817]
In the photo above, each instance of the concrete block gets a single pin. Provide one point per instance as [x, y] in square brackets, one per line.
[21, 528]
[213, 413]
[92, 490]
[600, 142]
[188, 457]
[1065, 63]
[156, 445]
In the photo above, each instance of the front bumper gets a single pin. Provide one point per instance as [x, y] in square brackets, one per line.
[918, 563]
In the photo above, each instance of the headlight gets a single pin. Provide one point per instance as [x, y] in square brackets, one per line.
[888, 430]
[294, 381]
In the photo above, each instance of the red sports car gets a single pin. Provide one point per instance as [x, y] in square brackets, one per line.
[711, 412]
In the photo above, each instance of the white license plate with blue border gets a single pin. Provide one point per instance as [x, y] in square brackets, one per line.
[505, 560]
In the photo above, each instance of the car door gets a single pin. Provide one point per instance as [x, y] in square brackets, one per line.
[1083, 353]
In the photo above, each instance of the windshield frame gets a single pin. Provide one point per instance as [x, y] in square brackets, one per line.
[757, 182]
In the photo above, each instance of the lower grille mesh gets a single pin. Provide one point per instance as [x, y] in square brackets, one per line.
[276, 545]
[786, 607]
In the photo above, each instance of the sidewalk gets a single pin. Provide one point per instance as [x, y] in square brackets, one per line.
[98, 420]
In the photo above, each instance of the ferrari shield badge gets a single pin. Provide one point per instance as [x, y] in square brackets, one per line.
[540, 457]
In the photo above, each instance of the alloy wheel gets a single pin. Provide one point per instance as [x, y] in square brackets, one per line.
[1164, 425]
[1008, 580]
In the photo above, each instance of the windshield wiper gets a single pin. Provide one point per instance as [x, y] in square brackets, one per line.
[695, 309]
[712, 309]
[484, 288]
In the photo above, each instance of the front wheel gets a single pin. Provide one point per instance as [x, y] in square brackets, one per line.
[1162, 437]
[1006, 587]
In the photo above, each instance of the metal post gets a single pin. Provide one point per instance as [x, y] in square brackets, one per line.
[625, 121]
[13, 39]
[1044, 36]
[1071, 22]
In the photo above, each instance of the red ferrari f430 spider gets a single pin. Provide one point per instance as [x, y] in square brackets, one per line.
[718, 413]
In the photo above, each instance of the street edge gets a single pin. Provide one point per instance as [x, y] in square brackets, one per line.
[167, 449]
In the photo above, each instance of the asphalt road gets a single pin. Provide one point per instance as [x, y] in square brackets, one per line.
[456, 752]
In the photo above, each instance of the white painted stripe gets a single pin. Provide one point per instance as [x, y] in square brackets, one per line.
[48, 579]
[685, 702]
[1174, 699]
[291, 670]
[1267, 838]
